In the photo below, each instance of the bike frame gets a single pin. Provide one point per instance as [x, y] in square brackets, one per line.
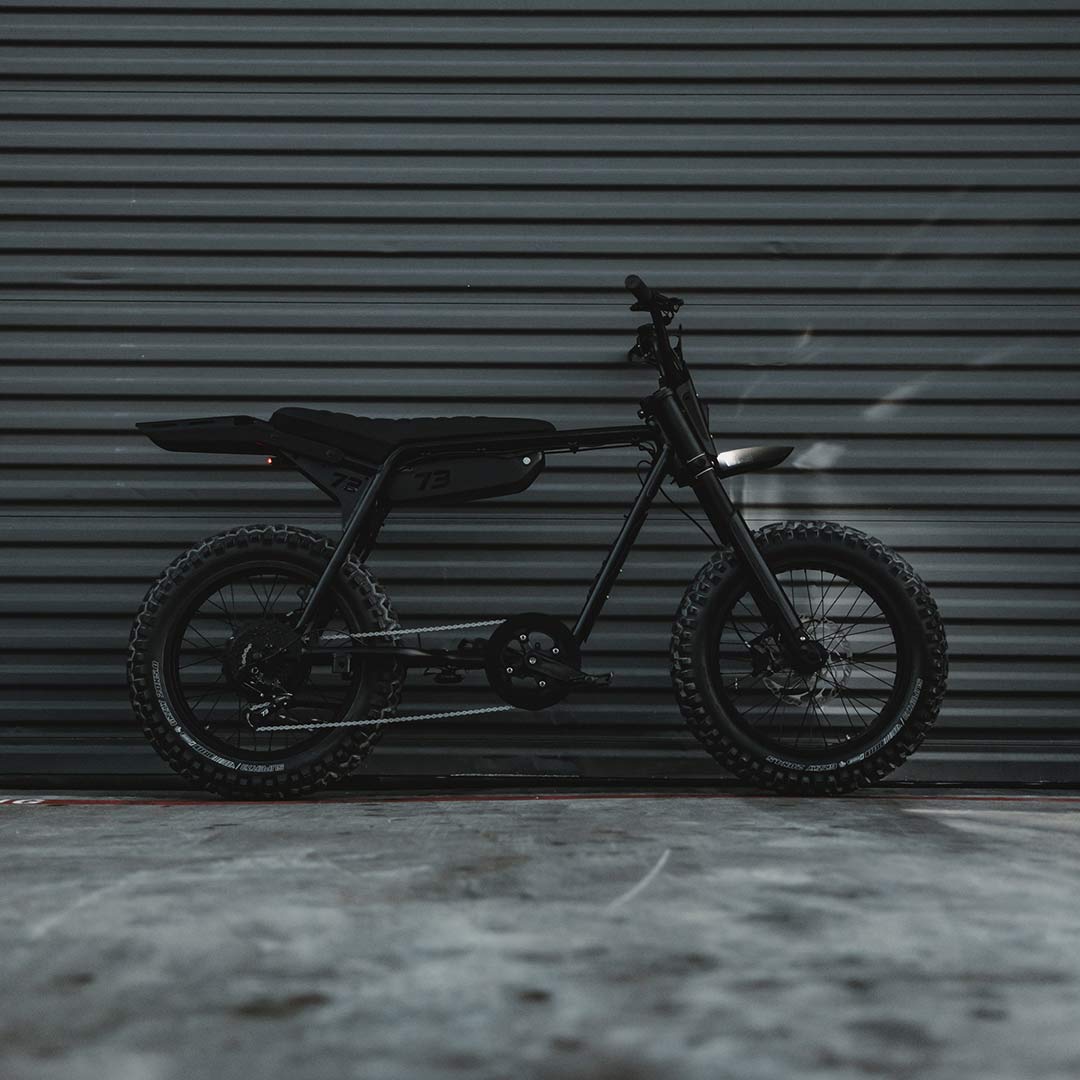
[677, 448]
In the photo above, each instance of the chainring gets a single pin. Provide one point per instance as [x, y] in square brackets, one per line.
[507, 659]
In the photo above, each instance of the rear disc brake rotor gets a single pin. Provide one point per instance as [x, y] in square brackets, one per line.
[265, 653]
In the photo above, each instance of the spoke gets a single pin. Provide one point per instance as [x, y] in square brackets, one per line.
[270, 587]
[806, 713]
[769, 701]
[766, 702]
[876, 648]
[224, 614]
[735, 624]
[821, 598]
[275, 596]
[843, 701]
[809, 598]
[873, 703]
[194, 663]
[851, 606]
[836, 599]
[826, 590]
[212, 616]
[841, 635]
[218, 648]
[880, 629]
[742, 604]
[217, 701]
[869, 664]
[225, 604]
[877, 678]
[856, 612]
[208, 690]
[821, 712]
[870, 602]
[265, 595]
[735, 627]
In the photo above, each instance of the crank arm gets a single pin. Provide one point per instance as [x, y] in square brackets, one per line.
[564, 673]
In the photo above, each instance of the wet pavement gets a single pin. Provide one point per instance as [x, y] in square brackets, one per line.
[623, 934]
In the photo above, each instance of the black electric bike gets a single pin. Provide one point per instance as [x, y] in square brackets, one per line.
[265, 661]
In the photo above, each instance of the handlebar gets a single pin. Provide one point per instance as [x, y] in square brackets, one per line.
[653, 344]
[656, 303]
[642, 293]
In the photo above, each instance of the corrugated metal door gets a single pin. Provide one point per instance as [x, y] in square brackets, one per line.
[418, 208]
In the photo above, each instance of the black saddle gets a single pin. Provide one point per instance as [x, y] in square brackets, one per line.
[373, 440]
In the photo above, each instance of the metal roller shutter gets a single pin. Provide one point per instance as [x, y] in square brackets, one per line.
[424, 208]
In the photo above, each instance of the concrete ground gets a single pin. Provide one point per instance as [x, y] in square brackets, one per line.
[898, 934]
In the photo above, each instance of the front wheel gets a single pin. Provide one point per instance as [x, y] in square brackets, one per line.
[852, 722]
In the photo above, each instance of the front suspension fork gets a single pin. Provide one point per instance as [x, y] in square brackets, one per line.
[697, 461]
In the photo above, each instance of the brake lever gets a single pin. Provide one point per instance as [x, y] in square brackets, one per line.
[643, 351]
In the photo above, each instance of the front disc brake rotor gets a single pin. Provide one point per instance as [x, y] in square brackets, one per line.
[509, 650]
[789, 686]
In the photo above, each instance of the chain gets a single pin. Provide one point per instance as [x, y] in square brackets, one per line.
[336, 637]
[319, 725]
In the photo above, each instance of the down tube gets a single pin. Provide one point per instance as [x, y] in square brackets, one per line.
[615, 558]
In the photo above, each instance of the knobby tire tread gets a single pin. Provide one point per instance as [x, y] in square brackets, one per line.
[709, 729]
[344, 756]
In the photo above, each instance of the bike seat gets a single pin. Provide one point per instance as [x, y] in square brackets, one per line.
[372, 440]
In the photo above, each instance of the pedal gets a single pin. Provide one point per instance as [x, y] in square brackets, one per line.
[567, 674]
[599, 680]
[449, 676]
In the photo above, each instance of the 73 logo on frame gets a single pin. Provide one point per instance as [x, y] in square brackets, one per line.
[432, 480]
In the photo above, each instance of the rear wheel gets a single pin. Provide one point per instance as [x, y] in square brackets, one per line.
[215, 665]
[856, 719]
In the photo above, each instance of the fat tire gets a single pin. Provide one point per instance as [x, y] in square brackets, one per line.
[729, 744]
[309, 772]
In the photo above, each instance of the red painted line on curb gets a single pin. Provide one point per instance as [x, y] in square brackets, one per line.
[60, 800]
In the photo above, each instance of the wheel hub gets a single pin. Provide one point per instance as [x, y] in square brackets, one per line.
[264, 655]
[789, 686]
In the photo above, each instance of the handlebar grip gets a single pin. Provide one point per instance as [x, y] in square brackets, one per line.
[641, 291]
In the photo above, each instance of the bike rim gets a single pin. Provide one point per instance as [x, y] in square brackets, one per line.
[212, 625]
[842, 709]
